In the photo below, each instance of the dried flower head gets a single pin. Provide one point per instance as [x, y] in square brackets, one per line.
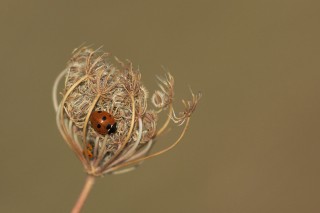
[95, 82]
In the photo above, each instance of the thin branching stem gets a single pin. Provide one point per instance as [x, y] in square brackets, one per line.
[128, 163]
[129, 153]
[127, 137]
[86, 124]
[64, 133]
[165, 125]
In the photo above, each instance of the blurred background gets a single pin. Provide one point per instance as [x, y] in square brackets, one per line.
[253, 144]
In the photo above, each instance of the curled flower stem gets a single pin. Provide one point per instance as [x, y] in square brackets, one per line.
[62, 124]
[60, 120]
[84, 194]
[55, 88]
[126, 139]
[131, 151]
[160, 131]
[101, 153]
[154, 154]
[68, 138]
[86, 123]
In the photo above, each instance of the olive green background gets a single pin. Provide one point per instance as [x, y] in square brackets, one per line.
[253, 144]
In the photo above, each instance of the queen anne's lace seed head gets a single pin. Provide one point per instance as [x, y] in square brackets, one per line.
[94, 82]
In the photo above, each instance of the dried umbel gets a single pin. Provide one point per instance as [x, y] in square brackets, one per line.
[94, 83]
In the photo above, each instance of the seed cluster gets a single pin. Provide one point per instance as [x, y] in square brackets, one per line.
[95, 82]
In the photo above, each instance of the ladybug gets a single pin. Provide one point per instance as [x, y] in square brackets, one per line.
[89, 150]
[103, 122]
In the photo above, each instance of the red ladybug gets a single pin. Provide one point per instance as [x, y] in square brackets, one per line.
[103, 122]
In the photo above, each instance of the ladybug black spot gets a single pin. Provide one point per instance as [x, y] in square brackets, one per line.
[99, 111]
[99, 126]
[104, 118]
[108, 126]
[113, 129]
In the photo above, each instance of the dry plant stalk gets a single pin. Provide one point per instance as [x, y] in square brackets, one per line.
[94, 83]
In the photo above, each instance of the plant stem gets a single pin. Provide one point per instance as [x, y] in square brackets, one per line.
[84, 194]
